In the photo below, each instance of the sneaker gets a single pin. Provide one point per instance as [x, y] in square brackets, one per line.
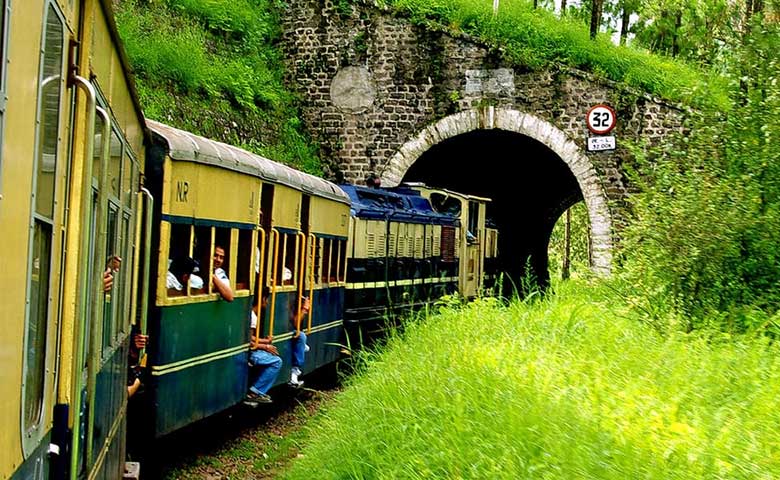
[253, 399]
[294, 373]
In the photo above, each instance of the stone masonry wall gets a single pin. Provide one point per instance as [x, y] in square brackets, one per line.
[372, 80]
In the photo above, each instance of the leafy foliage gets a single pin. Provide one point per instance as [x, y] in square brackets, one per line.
[212, 67]
[706, 238]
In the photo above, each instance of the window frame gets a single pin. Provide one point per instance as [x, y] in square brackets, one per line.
[32, 433]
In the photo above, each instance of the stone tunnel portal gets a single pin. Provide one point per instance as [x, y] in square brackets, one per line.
[530, 185]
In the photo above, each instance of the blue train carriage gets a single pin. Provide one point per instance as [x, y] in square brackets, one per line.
[476, 240]
[402, 255]
[283, 232]
[72, 136]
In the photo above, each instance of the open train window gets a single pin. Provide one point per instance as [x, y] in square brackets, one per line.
[287, 260]
[327, 255]
[244, 259]
[445, 204]
[341, 271]
[180, 262]
[201, 253]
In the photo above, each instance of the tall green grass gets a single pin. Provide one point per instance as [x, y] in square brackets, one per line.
[213, 67]
[568, 387]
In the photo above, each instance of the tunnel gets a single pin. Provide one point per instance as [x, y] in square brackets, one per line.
[530, 185]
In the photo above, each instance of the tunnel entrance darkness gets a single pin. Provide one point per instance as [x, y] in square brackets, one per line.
[530, 185]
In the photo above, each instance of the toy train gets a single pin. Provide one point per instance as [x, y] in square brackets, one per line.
[88, 187]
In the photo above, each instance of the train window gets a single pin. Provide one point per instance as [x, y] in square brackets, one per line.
[341, 272]
[179, 252]
[473, 218]
[244, 266]
[124, 275]
[285, 271]
[442, 203]
[97, 148]
[127, 181]
[201, 253]
[42, 223]
[317, 260]
[222, 237]
[109, 307]
[327, 246]
[115, 164]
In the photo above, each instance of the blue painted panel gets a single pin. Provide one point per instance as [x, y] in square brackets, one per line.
[185, 396]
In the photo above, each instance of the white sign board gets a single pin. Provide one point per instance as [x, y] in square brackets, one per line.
[601, 119]
[599, 144]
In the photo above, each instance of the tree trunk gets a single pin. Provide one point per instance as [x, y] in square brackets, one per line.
[536, 4]
[595, 17]
[676, 35]
[566, 267]
[625, 19]
[563, 8]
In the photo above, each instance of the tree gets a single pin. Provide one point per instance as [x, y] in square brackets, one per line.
[595, 17]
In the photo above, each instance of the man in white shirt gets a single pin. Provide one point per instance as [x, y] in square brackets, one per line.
[219, 277]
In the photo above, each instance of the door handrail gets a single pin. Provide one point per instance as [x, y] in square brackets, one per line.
[274, 265]
[261, 264]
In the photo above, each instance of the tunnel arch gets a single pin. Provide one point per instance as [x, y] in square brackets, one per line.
[514, 121]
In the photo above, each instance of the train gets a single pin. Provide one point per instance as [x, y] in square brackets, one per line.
[90, 190]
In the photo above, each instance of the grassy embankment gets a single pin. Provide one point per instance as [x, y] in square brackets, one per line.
[213, 67]
[571, 386]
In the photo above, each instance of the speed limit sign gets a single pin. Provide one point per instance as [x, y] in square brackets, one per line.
[601, 119]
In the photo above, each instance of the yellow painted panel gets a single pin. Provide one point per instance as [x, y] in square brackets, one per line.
[359, 238]
[329, 217]
[17, 166]
[287, 208]
[213, 193]
[102, 49]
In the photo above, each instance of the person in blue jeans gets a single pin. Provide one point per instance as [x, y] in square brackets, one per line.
[263, 354]
[299, 346]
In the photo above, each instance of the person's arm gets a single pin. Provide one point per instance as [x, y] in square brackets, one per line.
[263, 344]
[223, 287]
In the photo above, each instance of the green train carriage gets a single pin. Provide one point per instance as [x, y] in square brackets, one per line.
[283, 231]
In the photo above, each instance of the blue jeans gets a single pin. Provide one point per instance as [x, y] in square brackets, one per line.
[299, 350]
[270, 365]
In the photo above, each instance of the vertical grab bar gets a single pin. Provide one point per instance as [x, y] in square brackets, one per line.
[98, 299]
[301, 237]
[82, 296]
[148, 212]
[272, 309]
[260, 272]
[313, 246]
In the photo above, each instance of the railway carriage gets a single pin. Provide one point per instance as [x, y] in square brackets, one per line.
[88, 188]
[72, 137]
[284, 232]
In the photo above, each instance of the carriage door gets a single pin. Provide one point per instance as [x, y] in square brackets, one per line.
[473, 255]
[305, 283]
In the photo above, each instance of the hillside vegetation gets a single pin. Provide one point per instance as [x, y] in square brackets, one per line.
[213, 67]
[571, 386]
[537, 38]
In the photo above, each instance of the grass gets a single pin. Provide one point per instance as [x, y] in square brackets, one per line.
[571, 386]
[539, 39]
[213, 67]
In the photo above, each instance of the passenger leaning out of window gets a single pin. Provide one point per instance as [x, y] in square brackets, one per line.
[219, 278]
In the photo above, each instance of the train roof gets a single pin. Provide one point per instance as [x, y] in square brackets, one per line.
[188, 147]
[380, 204]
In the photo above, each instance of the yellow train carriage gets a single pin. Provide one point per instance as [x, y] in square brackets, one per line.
[282, 231]
[72, 139]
